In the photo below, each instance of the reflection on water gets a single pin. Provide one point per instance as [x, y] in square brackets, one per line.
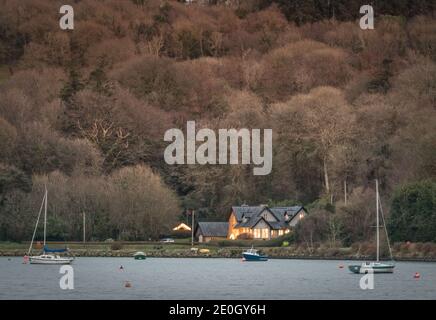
[171, 278]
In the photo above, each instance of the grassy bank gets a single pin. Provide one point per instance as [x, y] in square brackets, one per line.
[407, 252]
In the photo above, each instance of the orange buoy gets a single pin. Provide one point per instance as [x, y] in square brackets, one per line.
[417, 275]
[341, 266]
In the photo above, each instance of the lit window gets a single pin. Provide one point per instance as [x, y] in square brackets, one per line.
[265, 233]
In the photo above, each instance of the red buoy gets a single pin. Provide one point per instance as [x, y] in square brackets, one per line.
[417, 275]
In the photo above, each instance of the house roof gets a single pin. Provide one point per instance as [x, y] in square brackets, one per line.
[249, 223]
[246, 211]
[275, 225]
[182, 226]
[213, 229]
[249, 216]
[280, 212]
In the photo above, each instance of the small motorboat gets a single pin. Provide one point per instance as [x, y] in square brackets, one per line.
[139, 255]
[253, 255]
[372, 267]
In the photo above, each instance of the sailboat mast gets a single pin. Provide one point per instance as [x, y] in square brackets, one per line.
[36, 225]
[45, 215]
[377, 219]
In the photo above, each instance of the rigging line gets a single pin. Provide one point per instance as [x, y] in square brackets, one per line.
[386, 231]
[37, 221]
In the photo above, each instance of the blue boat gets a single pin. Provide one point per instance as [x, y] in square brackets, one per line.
[253, 255]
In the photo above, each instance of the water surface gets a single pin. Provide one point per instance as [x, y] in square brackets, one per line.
[198, 278]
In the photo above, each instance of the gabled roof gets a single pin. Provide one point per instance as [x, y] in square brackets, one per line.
[275, 225]
[249, 216]
[246, 211]
[290, 211]
[249, 223]
[213, 229]
[182, 226]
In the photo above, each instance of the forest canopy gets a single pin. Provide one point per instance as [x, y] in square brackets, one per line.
[84, 111]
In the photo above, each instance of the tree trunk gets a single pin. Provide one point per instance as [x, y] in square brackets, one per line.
[345, 191]
[326, 176]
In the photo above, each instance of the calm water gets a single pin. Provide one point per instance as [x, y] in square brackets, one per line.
[162, 278]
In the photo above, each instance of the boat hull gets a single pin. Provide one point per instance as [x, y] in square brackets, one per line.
[253, 257]
[378, 268]
[139, 255]
[58, 261]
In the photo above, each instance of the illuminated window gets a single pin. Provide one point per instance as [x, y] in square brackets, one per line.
[265, 233]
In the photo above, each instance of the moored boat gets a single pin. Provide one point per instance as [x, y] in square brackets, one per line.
[139, 255]
[50, 259]
[376, 266]
[47, 256]
[253, 255]
[372, 267]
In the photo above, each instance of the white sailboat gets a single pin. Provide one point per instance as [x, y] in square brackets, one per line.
[376, 266]
[48, 256]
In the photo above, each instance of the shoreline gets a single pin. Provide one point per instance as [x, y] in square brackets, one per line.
[183, 249]
[185, 255]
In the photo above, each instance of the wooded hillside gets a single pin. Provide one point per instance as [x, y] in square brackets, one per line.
[84, 111]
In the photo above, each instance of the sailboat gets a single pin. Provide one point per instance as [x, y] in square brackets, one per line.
[48, 256]
[376, 266]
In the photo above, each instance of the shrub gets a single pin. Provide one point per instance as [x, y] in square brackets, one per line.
[232, 243]
[277, 242]
[116, 246]
[180, 234]
[413, 215]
